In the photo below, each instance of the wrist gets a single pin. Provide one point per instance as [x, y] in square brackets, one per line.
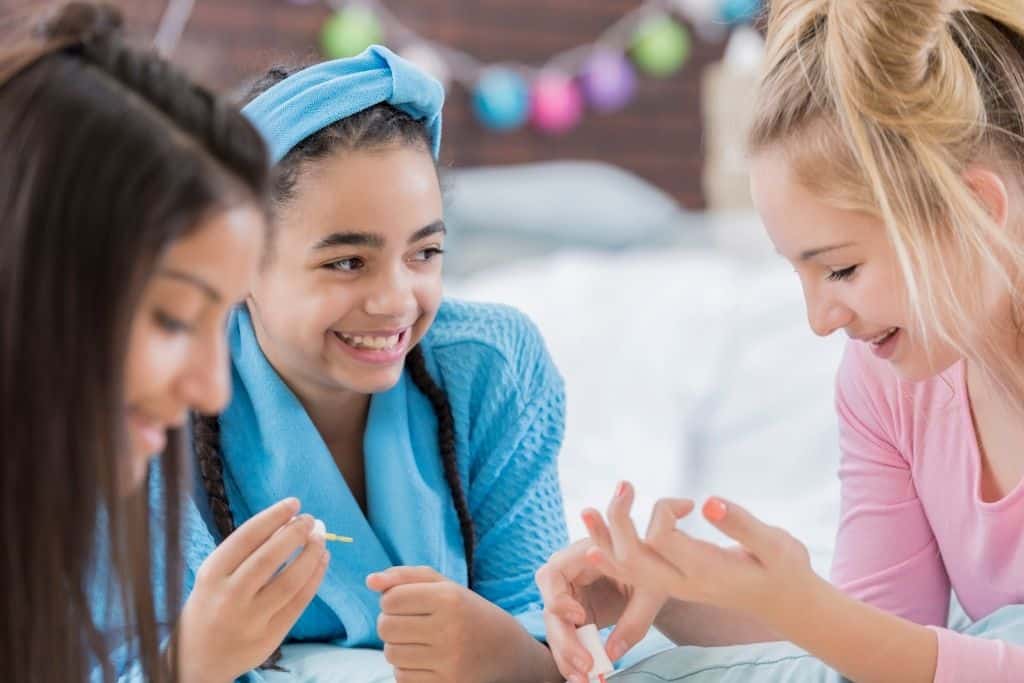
[521, 657]
[795, 608]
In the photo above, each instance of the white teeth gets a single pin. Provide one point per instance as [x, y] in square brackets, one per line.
[882, 337]
[375, 343]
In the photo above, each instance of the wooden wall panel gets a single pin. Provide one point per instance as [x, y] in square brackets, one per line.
[658, 136]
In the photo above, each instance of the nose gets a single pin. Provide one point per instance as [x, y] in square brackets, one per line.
[206, 386]
[825, 313]
[391, 294]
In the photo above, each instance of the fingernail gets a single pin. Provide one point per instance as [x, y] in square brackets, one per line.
[579, 664]
[616, 649]
[715, 509]
[588, 520]
[620, 490]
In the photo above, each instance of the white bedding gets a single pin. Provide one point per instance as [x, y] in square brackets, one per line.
[688, 372]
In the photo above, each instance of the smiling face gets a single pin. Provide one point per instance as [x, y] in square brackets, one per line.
[355, 276]
[847, 267]
[177, 355]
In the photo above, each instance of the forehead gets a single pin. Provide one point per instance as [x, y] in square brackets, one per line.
[223, 250]
[392, 191]
[798, 219]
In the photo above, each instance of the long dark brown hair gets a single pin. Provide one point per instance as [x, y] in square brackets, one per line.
[378, 126]
[109, 156]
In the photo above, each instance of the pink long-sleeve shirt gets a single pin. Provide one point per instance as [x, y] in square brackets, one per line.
[913, 524]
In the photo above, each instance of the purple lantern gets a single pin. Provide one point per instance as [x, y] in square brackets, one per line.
[608, 80]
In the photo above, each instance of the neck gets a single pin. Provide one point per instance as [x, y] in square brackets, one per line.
[339, 415]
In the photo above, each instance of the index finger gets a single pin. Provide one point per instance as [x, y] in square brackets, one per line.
[237, 547]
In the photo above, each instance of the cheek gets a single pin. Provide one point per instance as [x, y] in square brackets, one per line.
[154, 360]
[429, 294]
[299, 307]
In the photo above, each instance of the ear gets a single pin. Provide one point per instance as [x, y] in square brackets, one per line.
[989, 187]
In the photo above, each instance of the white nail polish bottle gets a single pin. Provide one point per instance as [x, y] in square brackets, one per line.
[590, 638]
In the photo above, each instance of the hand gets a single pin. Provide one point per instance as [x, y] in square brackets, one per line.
[768, 570]
[242, 606]
[576, 592]
[437, 630]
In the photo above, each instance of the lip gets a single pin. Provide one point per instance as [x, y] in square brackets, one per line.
[866, 338]
[375, 333]
[374, 356]
[887, 349]
[150, 432]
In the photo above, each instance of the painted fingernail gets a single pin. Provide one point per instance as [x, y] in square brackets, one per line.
[620, 490]
[715, 509]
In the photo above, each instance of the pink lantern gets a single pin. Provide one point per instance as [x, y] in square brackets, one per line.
[556, 104]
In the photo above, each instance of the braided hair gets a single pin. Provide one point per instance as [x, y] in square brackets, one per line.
[377, 126]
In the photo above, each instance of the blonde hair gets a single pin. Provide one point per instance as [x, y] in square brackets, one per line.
[882, 105]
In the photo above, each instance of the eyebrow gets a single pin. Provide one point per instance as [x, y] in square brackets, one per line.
[207, 289]
[374, 240]
[811, 253]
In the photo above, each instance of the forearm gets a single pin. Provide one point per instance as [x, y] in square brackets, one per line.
[859, 641]
[690, 623]
[518, 657]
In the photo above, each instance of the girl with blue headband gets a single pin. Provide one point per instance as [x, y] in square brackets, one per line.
[424, 429]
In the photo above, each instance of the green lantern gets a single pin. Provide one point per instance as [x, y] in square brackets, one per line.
[349, 32]
[660, 46]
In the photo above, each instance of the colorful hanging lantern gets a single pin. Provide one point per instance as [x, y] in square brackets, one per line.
[660, 46]
[608, 80]
[349, 32]
[501, 99]
[556, 104]
[739, 11]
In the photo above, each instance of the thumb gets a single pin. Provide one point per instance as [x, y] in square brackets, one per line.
[635, 622]
[741, 526]
[397, 576]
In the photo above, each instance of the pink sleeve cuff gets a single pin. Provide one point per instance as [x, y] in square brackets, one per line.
[967, 658]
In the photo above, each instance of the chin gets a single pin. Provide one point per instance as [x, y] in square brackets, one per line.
[372, 382]
[135, 473]
[920, 367]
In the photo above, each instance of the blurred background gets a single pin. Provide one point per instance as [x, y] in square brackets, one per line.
[594, 159]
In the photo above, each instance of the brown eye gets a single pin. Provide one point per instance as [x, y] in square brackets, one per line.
[429, 253]
[346, 265]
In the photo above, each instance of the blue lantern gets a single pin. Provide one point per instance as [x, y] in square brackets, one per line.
[501, 99]
[739, 11]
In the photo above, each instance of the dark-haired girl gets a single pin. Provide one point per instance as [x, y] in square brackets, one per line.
[425, 429]
[132, 220]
